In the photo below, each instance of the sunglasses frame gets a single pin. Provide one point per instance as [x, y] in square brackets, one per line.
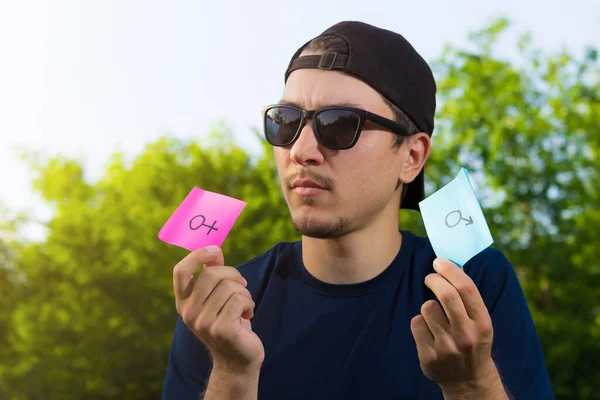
[363, 116]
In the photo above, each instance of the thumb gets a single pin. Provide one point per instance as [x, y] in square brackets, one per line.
[214, 256]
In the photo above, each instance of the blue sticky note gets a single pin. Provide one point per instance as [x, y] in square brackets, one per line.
[454, 221]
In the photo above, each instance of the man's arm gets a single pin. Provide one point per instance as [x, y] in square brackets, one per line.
[188, 367]
[215, 310]
[465, 348]
[224, 385]
[489, 388]
[190, 372]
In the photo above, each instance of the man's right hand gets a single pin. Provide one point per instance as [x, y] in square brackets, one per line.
[217, 307]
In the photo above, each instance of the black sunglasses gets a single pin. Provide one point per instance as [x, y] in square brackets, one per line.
[336, 127]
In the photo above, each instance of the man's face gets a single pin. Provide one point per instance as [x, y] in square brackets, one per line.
[360, 182]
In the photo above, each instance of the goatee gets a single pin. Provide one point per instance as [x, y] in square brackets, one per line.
[331, 229]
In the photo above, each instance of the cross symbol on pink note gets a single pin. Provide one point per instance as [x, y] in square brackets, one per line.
[196, 224]
[203, 218]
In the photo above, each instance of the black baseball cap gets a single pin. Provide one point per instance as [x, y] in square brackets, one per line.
[388, 63]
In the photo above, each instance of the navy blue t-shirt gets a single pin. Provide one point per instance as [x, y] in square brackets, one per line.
[325, 341]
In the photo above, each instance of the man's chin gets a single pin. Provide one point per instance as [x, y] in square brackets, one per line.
[321, 229]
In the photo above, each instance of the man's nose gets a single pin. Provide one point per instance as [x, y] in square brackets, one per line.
[307, 150]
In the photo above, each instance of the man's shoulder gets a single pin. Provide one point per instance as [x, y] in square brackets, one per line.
[488, 263]
[276, 252]
[420, 244]
[488, 255]
[278, 260]
[268, 268]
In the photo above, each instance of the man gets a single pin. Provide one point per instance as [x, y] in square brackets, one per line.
[357, 309]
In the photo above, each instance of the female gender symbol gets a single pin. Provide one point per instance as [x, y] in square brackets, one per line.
[210, 227]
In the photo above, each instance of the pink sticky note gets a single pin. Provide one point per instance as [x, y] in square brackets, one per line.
[203, 218]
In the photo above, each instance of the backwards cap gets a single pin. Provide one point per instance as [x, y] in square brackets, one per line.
[388, 63]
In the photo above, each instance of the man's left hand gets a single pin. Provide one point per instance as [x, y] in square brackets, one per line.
[455, 349]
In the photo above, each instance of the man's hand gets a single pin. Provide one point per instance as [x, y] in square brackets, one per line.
[218, 308]
[455, 349]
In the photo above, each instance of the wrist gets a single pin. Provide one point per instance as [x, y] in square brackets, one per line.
[236, 383]
[235, 372]
[488, 387]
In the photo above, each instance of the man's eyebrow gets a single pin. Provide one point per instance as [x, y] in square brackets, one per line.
[289, 103]
[341, 104]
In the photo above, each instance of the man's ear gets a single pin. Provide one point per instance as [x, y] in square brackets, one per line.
[416, 151]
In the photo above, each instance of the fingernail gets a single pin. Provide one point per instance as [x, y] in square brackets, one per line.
[245, 281]
[212, 249]
[436, 264]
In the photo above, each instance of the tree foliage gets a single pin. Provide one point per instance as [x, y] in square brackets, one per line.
[529, 130]
[96, 312]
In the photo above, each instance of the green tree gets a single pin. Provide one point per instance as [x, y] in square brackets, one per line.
[528, 131]
[95, 313]
[10, 277]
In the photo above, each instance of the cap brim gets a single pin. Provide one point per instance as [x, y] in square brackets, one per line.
[415, 193]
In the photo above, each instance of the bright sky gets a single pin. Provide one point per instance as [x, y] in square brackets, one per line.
[87, 78]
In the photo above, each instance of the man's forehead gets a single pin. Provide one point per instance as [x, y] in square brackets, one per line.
[323, 103]
[310, 89]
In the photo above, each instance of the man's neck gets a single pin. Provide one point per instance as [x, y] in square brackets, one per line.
[354, 258]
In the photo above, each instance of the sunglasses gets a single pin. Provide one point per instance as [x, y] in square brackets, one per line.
[335, 127]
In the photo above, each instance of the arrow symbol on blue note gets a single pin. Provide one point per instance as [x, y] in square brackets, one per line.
[460, 218]
[456, 206]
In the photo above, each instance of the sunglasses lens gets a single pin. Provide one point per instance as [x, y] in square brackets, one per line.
[281, 125]
[337, 128]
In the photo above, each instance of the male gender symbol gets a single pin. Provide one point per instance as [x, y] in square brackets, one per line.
[460, 218]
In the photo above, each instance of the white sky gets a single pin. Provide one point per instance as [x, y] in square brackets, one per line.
[87, 78]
